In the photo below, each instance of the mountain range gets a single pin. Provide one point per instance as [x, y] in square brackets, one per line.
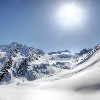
[20, 62]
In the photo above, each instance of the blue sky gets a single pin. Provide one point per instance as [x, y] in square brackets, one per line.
[34, 22]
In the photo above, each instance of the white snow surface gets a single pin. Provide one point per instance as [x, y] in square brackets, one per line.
[80, 83]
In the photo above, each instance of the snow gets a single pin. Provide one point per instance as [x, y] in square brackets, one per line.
[63, 89]
[80, 83]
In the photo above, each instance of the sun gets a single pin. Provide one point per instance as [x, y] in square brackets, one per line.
[70, 14]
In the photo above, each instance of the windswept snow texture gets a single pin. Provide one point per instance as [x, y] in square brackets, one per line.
[57, 76]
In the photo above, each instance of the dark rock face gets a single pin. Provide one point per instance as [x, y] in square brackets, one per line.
[30, 75]
[21, 69]
[85, 51]
[5, 77]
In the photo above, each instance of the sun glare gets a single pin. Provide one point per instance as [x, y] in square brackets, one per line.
[70, 14]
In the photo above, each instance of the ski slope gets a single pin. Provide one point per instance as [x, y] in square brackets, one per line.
[79, 83]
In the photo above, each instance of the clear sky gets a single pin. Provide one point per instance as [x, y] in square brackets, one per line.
[35, 23]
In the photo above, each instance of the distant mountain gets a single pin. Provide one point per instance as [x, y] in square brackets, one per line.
[84, 51]
[59, 52]
[18, 61]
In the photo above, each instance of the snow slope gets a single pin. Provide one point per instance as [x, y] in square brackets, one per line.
[79, 83]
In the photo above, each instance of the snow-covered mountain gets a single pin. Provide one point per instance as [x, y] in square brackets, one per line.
[15, 59]
[21, 62]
